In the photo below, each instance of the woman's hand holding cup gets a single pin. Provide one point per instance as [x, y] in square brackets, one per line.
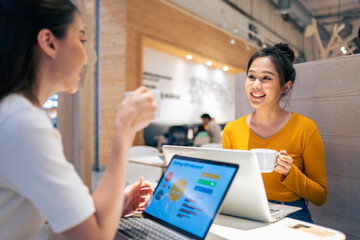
[284, 163]
[136, 111]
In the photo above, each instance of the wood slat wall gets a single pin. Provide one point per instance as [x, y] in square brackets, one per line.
[124, 23]
[327, 91]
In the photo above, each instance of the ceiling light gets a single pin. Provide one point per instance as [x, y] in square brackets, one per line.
[236, 30]
[232, 41]
[225, 68]
[188, 57]
[208, 63]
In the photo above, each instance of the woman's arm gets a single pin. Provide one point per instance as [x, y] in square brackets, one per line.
[134, 113]
[311, 184]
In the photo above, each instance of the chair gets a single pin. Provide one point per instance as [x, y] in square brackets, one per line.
[144, 161]
[177, 135]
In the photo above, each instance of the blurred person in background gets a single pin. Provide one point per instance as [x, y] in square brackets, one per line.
[212, 128]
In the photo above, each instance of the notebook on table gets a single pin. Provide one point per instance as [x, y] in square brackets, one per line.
[185, 202]
[246, 197]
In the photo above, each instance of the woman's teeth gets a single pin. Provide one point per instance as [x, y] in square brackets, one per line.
[258, 95]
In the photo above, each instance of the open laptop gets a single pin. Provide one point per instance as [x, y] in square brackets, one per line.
[247, 197]
[185, 201]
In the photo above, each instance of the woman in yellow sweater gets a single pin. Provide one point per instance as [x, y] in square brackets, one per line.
[300, 175]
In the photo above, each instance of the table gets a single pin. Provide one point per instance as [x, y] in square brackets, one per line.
[154, 161]
[150, 167]
[227, 227]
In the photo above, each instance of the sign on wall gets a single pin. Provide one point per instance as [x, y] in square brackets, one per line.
[188, 89]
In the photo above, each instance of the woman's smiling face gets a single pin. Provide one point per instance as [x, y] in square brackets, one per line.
[262, 84]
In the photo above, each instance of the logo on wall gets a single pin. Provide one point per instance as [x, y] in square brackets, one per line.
[151, 80]
[198, 87]
[155, 77]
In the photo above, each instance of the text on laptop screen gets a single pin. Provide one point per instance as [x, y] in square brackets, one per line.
[189, 194]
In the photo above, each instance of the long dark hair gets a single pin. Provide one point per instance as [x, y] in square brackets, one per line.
[282, 57]
[20, 23]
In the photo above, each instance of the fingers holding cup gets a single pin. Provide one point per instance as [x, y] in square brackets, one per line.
[284, 163]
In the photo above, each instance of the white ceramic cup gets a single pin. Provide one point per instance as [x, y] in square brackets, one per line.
[266, 159]
[157, 96]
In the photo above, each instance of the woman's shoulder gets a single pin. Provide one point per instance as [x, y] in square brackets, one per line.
[304, 122]
[14, 102]
[16, 110]
[238, 123]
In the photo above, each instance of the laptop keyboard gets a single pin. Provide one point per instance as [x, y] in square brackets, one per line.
[142, 228]
[272, 210]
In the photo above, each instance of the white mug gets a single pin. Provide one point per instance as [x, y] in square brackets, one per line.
[157, 96]
[266, 159]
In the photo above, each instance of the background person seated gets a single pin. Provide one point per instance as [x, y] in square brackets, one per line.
[198, 129]
[201, 138]
[212, 128]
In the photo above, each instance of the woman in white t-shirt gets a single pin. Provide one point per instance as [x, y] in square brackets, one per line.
[41, 53]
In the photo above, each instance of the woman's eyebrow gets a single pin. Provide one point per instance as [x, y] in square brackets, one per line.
[268, 72]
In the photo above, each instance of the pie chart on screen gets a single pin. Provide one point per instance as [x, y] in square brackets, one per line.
[177, 190]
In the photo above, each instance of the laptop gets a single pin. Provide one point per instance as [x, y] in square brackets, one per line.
[185, 201]
[247, 197]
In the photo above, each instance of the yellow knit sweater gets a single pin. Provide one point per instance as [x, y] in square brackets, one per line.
[301, 139]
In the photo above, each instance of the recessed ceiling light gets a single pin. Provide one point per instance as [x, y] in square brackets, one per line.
[188, 57]
[225, 68]
[208, 63]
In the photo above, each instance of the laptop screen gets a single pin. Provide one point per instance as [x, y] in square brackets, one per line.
[189, 194]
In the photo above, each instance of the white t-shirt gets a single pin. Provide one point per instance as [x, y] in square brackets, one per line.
[37, 184]
[215, 131]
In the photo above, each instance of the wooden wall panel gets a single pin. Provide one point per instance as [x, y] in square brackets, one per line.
[112, 70]
[124, 23]
[86, 96]
[315, 107]
[68, 124]
[327, 92]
